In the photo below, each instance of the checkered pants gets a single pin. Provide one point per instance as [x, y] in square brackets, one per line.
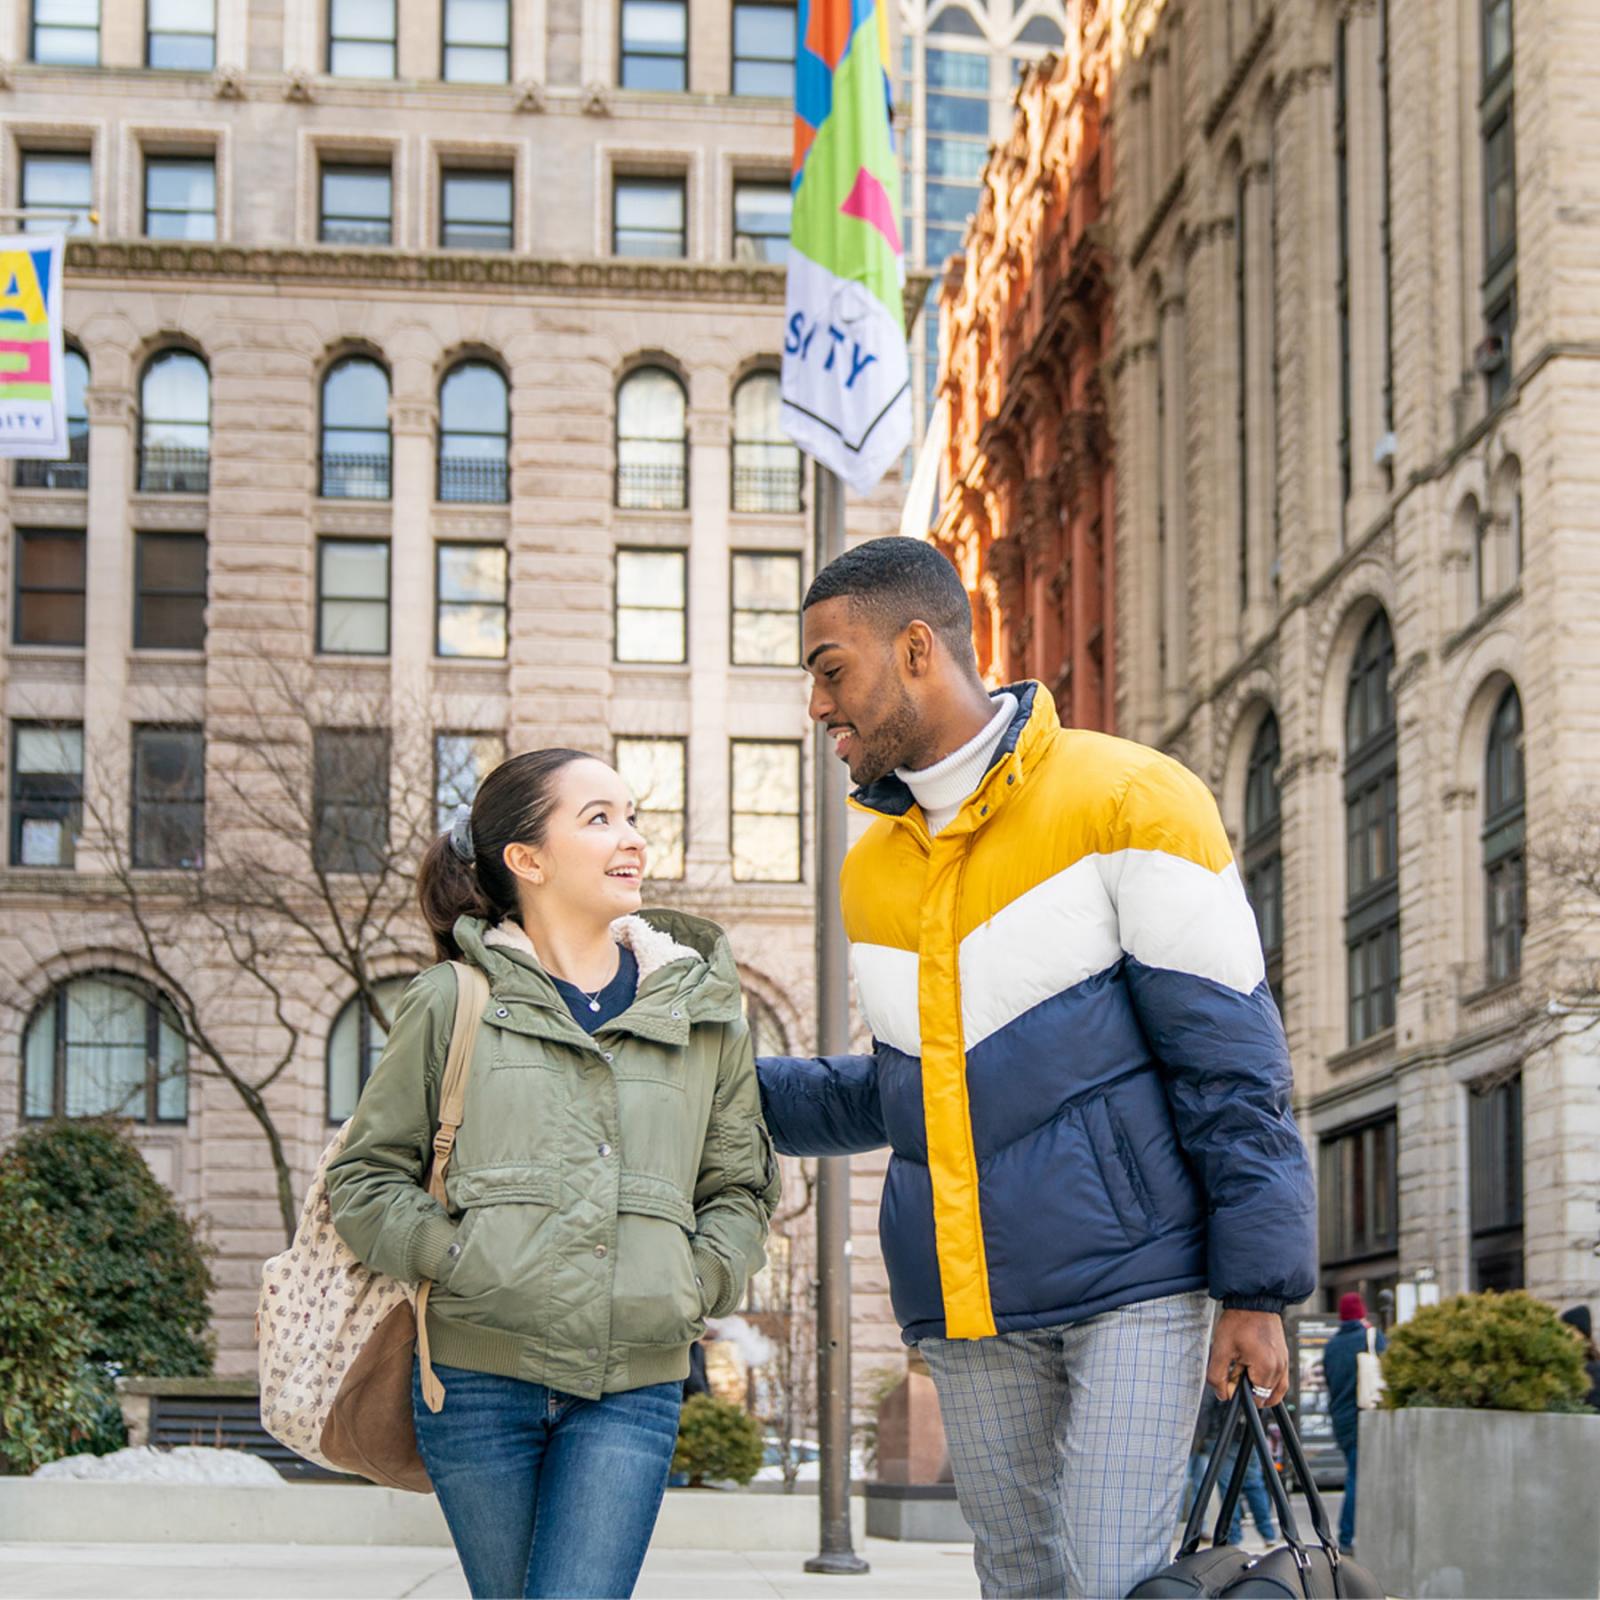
[1069, 1445]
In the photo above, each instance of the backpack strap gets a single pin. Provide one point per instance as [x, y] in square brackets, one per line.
[472, 995]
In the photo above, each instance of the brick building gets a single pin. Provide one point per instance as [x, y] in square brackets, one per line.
[1028, 504]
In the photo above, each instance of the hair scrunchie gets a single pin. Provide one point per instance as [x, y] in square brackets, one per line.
[461, 845]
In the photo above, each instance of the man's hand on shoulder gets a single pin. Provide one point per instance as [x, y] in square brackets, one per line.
[1253, 1342]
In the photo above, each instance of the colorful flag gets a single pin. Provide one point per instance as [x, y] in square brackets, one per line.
[846, 381]
[33, 399]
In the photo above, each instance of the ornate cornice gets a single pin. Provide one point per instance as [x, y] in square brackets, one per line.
[502, 274]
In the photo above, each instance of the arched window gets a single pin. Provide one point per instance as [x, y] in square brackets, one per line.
[953, 20]
[766, 463]
[1504, 874]
[73, 473]
[1043, 32]
[355, 431]
[1263, 847]
[1371, 802]
[355, 1043]
[652, 443]
[474, 433]
[105, 1044]
[175, 424]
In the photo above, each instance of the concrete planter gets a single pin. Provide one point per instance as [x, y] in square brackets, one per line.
[348, 1513]
[1480, 1503]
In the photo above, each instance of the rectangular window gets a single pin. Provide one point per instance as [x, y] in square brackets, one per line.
[361, 38]
[350, 799]
[475, 211]
[763, 49]
[59, 188]
[1374, 979]
[180, 197]
[471, 588]
[461, 761]
[169, 608]
[1358, 1193]
[655, 45]
[357, 205]
[169, 797]
[766, 810]
[182, 35]
[1496, 38]
[49, 605]
[652, 605]
[477, 41]
[654, 771]
[766, 610]
[46, 792]
[1494, 1156]
[353, 597]
[761, 222]
[66, 33]
[1499, 193]
[647, 217]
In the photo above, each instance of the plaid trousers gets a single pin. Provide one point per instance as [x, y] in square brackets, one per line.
[1070, 1445]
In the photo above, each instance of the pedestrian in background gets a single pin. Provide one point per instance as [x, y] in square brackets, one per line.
[1339, 1370]
[1577, 1318]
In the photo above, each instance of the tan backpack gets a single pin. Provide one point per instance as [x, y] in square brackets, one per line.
[336, 1338]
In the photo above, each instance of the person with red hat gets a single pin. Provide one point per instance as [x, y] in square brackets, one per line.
[1339, 1369]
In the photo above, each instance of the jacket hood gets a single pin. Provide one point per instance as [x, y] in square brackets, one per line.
[685, 962]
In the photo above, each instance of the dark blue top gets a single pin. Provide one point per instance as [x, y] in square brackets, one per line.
[612, 1000]
[1339, 1368]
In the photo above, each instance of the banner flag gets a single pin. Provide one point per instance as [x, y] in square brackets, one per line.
[33, 398]
[846, 378]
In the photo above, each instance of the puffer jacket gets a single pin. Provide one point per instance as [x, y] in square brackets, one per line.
[1077, 1061]
[606, 1194]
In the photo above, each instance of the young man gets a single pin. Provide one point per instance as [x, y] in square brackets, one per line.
[1079, 1067]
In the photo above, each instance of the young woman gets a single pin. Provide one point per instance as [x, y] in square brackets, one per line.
[610, 1187]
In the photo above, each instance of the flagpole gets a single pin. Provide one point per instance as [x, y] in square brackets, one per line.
[837, 1552]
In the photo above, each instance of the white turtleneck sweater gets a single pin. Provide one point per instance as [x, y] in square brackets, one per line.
[942, 789]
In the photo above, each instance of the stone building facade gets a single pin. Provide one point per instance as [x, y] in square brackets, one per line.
[427, 367]
[1355, 400]
[1029, 492]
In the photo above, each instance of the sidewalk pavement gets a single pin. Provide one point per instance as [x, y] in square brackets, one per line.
[900, 1571]
[366, 1572]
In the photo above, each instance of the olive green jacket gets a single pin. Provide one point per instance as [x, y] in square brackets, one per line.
[606, 1194]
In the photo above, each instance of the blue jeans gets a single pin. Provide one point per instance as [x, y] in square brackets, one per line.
[1347, 1513]
[544, 1493]
[1255, 1491]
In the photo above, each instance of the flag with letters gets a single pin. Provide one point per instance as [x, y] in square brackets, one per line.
[846, 379]
[32, 376]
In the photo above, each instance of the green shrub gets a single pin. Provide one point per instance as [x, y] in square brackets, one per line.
[717, 1439]
[141, 1279]
[1491, 1352]
[46, 1383]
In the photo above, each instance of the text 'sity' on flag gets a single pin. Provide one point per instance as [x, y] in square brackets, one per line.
[846, 380]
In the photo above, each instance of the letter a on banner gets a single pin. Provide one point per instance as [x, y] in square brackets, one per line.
[846, 379]
[33, 397]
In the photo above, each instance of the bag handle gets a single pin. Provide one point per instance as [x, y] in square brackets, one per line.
[1372, 1341]
[1302, 1472]
[472, 995]
[1194, 1529]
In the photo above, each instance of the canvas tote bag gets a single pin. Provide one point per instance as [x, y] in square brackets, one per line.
[1369, 1374]
[336, 1338]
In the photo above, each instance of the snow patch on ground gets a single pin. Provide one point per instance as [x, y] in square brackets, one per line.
[187, 1464]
